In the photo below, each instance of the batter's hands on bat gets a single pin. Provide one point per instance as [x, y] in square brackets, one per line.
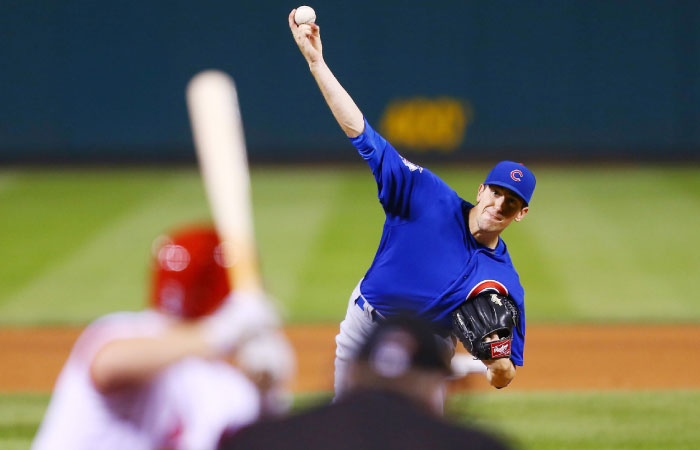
[243, 315]
[268, 358]
[308, 38]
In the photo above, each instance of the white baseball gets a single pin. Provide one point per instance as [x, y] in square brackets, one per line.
[304, 14]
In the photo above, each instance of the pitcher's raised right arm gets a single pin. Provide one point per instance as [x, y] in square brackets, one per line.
[344, 109]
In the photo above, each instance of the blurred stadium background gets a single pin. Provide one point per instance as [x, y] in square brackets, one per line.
[602, 99]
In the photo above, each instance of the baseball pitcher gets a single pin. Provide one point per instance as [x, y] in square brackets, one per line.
[440, 256]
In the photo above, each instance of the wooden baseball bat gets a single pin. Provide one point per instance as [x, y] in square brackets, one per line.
[215, 117]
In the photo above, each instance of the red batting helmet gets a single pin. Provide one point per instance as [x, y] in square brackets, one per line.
[189, 274]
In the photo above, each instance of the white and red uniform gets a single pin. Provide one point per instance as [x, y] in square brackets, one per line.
[186, 406]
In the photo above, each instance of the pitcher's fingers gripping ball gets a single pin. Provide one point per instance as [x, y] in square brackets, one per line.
[477, 320]
[304, 15]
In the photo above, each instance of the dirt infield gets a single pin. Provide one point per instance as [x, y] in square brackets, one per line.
[558, 357]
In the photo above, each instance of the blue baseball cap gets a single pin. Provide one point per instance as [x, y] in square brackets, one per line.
[514, 176]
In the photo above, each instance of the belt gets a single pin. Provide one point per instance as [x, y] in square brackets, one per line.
[368, 309]
[374, 315]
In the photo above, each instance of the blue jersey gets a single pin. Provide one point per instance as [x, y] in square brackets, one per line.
[428, 262]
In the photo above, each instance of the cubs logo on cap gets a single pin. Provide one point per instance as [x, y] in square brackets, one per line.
[513, 176]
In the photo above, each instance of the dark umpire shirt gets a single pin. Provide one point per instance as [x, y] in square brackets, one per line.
[363, 420]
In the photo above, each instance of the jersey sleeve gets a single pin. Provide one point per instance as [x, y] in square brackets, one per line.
[404, 189]
[115, 326]
[518, 345]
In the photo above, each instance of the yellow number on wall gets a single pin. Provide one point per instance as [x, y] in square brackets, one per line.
[425, 124]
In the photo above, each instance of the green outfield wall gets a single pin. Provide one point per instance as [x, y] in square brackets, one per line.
[96, 81]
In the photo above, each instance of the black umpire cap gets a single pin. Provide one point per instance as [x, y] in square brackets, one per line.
[402, 343]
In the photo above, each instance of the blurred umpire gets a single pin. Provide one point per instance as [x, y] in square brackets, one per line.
[394, 401]
[157, 379]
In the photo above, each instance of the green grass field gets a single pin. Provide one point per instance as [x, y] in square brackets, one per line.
[600, 245]
[654, 420]
[587, 421]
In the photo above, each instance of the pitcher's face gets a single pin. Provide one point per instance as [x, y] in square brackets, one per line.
[496, 207]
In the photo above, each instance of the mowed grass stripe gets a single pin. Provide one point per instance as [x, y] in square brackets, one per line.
[601, 237]
[7, 179]
[657, 420]
[342, 249]
[639, 246]
[648, 420]
[291, 207]
[20, 416]
[48, 214]
[109, 271]
[546, 289]
[559, 227]
[599, 244]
